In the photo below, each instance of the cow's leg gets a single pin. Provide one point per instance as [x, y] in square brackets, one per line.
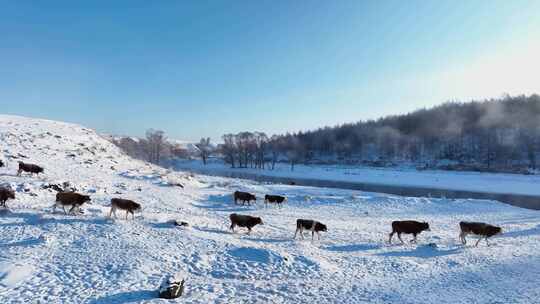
[313, 231]
[462, 238]
[295, 233]
[232, 227]
[72, 208]
[399, 237]
[110, 212]
[390, 237]
[132, 215]
[302, 232]
[318, 236]
[127, 212]
[476, 245]
[249, 230]
[414, 238]
[64, 207]
[19, 172]
[487, 241]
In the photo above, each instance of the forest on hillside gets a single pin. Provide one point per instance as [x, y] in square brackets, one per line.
[496, 135]
[500, 135]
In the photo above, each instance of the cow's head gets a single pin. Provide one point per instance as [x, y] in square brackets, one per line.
[258, 220]
[425, 226]
[493, 230]
[86, 199]
[137, 207]
[321, 227]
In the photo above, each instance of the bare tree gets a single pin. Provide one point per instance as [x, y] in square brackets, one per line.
[204, 148]
[229, 148]
[156, 142]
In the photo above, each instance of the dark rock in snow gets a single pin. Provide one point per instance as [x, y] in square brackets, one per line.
[172, 287]
[181, 223]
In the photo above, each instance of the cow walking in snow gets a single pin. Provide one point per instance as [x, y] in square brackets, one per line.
[275, 199]
[30, 168]
[313, 226]
[483, 230]
[244, 197]
[408, 227]
[6, 194]
[73, 199]
[124, 204]
[244, 221]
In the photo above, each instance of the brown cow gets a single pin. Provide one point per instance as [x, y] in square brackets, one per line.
[481, 229]
[408, 227]
[312, 225]
[244, 197]
[124, 204]
[6, 194]
[276, 199]
[31, 168]
[245, 221]
[73, 199]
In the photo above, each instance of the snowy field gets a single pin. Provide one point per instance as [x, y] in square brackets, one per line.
[437, 179]
[50, 257]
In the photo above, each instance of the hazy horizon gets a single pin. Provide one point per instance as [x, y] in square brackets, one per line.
[197, 69]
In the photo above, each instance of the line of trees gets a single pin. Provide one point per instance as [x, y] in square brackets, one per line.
[500, 135]
[245, 149]
[153, 148]
[156, 148]
[491, 135]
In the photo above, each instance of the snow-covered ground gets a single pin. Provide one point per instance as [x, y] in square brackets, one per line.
[88, 258]
[437, 179]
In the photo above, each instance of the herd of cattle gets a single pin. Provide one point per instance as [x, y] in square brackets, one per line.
[76, 200]
[483, 230]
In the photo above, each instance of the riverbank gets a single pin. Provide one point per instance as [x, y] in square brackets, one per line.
[517, 190]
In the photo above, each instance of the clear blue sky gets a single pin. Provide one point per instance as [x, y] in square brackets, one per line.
[204, 68]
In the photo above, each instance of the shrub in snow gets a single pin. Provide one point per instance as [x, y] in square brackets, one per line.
[172, 286]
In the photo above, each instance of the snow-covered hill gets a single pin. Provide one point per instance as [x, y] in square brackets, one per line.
[89, 258]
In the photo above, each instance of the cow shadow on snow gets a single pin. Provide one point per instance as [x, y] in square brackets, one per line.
[353, 247]
[214, 230]
[268, 240]
[134, 296]
[29, 218]
[422, 251]
[223, 203]
[518, 233]
[23, 243]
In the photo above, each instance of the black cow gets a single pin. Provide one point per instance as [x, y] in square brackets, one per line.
[6, 194]
[30, 168]
[70, 199]
[244, 197]
[408, 227]
[481, 229]
[276, 199]
[245, 221]
[312, 225]
[124, 204]
[1, 163]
